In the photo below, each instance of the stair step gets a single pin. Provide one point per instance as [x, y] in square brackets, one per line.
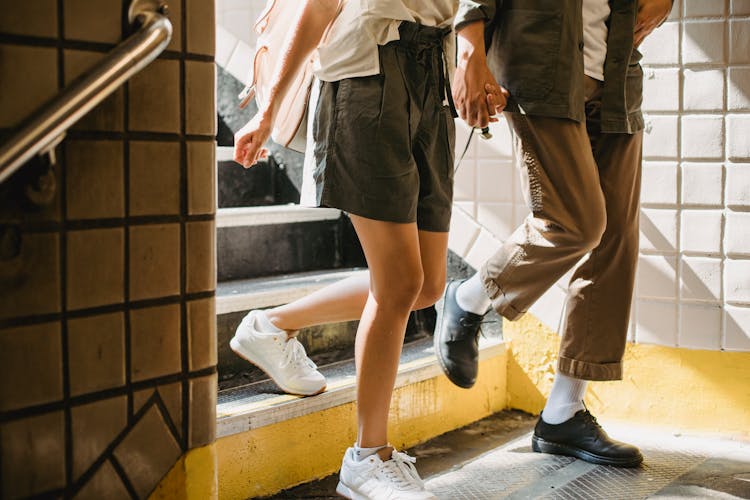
[262, 403]
[267, 241]
[258, 293]
[324, 343]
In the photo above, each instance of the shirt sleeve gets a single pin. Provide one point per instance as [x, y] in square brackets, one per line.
[475, 10]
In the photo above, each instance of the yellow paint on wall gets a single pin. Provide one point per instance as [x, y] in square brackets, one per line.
[192, 477]
[265, 460]
[683, 389]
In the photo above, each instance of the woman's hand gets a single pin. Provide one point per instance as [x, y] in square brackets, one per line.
[249, 141]
[651, 13]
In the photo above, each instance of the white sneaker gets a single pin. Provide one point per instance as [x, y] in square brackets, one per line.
[283, 359]
[374, 479]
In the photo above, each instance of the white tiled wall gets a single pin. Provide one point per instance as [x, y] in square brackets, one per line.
[693, 284]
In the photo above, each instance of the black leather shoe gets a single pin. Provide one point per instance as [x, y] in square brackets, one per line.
[456, 344]
[582, 437]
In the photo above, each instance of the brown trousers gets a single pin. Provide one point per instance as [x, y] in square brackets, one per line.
[583, 189]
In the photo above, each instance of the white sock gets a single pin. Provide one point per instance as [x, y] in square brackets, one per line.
[265, 324]
[565, 399]
[472, 297]
[362, 453]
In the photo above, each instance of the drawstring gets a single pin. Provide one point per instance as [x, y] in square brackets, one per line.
[445, 81]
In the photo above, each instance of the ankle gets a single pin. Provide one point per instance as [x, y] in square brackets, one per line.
[277, 321]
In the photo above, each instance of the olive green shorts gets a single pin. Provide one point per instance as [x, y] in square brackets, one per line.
[384, 144]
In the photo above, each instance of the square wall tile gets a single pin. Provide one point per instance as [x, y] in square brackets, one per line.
[201, 256]
[465, 181]
[148, 452]
[240, 62]
[175, 17]
[703, 184]
[740, 7]
[463, 231]
[33, 454]
[38, 292]
[660, 137]
[738, 89]
[201, 164]
[701, 231]
[661, 89]
[739, 34]
[737, 240]
[497, 218]
[200, 97]
[737, 321]
[702, 8]
[737, 279]
[703, 42]
[657, 323]
[31, 357]
[225, 45]
[202, 411]
[37, 18]
[657, 277]
[154, 261]
[155, 98]
[483, 248]
[662, 45]
[738, 185]
[700, 278]
[33, 82]
[700, 327]
[201, 317]
[703, 89]
[155, 342]
[110, 113]
[738, 137]
[703, 137]
[658, 230]
[96, 353]
[154, 178]
[201, 26]
[94, 426]
[95, 179]
[659, 183]
[495, 181]
[95, 267]
[93, 20]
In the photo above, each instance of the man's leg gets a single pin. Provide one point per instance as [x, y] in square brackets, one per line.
[562, 190]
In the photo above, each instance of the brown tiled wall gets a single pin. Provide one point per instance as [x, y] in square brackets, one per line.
[107, 318]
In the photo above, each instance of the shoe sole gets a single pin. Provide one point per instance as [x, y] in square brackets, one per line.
[234, 346]
[540, 445]
[344, 491]
[436, 343]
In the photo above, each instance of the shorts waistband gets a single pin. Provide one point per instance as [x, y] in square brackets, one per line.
[410, 32]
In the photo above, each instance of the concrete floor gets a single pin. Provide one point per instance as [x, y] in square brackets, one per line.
[492, 459]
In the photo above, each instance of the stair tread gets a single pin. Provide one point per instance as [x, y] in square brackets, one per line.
[263, 403]
[273, 214]
[245, 294]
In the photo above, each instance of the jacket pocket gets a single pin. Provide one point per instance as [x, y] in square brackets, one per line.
[527, 46]
[634, 83]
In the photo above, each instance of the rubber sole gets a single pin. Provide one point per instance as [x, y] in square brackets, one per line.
[540, 445]
[234, 346]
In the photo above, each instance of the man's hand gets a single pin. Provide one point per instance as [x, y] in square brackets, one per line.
[651, 13]
[249, 141]
[477, 95]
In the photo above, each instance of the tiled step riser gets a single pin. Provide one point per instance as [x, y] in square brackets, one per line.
[325, 343]
[273, 249]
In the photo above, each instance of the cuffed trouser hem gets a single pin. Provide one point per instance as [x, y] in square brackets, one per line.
[589, 371]
[500, 302]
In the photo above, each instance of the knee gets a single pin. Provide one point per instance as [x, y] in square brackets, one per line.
[432, 290]
[401, 292]
[591, 230]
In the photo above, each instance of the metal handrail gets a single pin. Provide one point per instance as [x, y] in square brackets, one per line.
[47, 126]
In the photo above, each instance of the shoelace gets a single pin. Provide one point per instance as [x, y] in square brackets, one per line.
[294, 354]
[400, 470]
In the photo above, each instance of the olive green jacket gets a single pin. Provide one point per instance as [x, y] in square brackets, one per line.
[536, 53]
